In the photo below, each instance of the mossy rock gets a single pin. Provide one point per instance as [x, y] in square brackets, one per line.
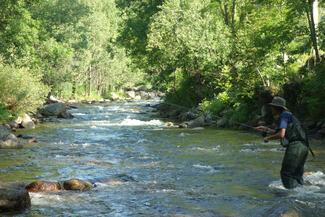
[77, 185]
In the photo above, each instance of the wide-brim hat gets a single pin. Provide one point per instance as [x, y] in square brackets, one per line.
[279, 102]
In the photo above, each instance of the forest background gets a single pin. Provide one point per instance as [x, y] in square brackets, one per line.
[226, 57]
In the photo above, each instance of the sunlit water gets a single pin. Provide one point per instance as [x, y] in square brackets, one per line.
[176, 172]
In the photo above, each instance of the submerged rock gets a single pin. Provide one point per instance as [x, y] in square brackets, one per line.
[43, 186]
[14, 200]
[290, 213]
[124, 178]
[116, 180]
[77, 185]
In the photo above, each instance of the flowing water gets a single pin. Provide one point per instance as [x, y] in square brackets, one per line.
[165, 171]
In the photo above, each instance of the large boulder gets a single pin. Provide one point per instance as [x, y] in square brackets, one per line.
[43, 186]
[27, 122]
[187, 116]
[131, 94]
[115, 97]
[58, 110]
[144, 95]
[65, 115]
[222, 122]
[14, 124]
[77, 185]
[198, 122]
[53, 109]
[137, 97]
[14, 200]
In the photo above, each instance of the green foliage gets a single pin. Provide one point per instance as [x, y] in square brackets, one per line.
[322, 34]
[201, 52]
[184, 37]
[21, 91]
[216, 105]
[136, 17]
[182, 91]
[314, 93]
[5, 115]
[18, 31]
[57, 63]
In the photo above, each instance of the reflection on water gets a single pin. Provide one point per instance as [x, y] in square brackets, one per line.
[142, 168]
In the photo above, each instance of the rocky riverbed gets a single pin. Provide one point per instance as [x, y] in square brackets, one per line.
[139, 165]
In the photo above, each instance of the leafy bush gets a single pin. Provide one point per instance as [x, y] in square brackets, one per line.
[20, 90]
[216, 105]
[241, 113]
[4, 114]
[184, 37]
[314, 93]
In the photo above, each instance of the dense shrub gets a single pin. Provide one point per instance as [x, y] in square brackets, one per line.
[21, 91]
[314, 93]
[216, 105]
[4, 114]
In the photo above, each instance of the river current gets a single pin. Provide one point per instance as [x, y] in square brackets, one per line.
[164, 171]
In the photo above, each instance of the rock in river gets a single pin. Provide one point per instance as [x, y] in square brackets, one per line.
[53, 109]
[77, 185]
[56, 110]
[27, 122]
[10, 142]
[14, 200]
[46, 186]
[43, 186]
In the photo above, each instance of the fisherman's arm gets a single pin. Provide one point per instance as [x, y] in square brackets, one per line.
[278, 135]
[265, 129]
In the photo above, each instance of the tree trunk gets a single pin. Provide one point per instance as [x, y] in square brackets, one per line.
[233, 15]
[89, 81]
[226, 12]
[74, 88]
[312, 11]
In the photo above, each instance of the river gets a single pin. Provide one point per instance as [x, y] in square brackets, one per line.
[170, 171]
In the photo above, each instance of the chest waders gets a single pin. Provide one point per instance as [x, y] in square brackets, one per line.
[297, 145]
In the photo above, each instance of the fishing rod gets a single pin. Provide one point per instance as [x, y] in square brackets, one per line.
[264, 134]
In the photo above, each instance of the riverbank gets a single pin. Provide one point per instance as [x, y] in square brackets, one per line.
[194, 117]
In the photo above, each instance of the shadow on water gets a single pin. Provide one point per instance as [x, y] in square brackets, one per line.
[143, 168]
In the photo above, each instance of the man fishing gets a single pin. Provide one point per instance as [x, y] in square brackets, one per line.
[292, 136]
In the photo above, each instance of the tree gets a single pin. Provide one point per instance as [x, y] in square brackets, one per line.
[184, 38]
